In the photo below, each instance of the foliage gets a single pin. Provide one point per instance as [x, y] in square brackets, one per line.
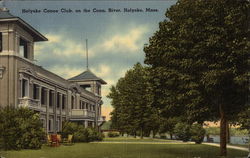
[20, 128]
[186, 132]
[113, 134]
[69, 128]
[80, 134]
[198, 60]
[197, 133]
[132, 112]
[212, 131]
[182, 131]
[244, 119]
[168, 124]
[106, 125]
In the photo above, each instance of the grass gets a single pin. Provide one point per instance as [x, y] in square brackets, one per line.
[132, 139]
[98, 150]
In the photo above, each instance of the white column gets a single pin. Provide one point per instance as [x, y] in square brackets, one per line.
[85, 123]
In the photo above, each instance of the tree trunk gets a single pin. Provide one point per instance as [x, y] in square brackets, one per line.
[208, 137]
[154, 133]
[171, 136]
[141, 133]
[228, 133]
[223, 132]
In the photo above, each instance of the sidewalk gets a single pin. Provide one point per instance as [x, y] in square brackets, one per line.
[228, 146]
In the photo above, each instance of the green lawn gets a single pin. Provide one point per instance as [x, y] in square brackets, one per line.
[131, 139]
[98, 150]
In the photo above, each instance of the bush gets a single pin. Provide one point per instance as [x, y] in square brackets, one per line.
[80, 134]
[186, 132]
[197, 133]
[182, 131]
[68, 128]
[113, 134]
[20, 128]
[163, 137]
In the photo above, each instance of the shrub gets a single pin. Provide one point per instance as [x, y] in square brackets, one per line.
[197, 133]
[182, 131]
[94, 135]
[20, 128]
[68, 128]
[113, 134]
[80, 134]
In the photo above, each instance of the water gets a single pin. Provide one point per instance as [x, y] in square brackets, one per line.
[233, 139]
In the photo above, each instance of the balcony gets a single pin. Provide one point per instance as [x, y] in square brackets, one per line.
[28, 102]
[82, 113]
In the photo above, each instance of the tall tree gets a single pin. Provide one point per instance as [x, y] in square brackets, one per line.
[198, 60]
[131, 111]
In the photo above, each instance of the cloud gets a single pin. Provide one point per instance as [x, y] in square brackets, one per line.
[60, 44]
[102, 70]
[126, 42]
[65, 71]
[54, 38]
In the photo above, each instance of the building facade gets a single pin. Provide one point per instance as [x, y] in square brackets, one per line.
[25, 84]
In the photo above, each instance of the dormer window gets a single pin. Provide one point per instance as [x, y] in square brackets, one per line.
[23, 48]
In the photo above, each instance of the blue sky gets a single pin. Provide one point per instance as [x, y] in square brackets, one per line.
[115, 40]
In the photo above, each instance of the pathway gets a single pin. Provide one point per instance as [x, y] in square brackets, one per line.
[228, 146]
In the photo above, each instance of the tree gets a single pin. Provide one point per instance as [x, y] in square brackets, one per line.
[168, 125]
[182, 131]
[20, 128]
[132, 112]
[198, 61]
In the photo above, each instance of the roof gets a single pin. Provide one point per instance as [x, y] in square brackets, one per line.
[6, 16]
[87, 76]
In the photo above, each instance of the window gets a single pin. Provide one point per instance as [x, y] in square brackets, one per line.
[90, 124]
[58, 100]
[25, 88]
[43, 97]
[51, 98]
[35, 91]
[72, 102]
[23, 48]
[1, 42]
[50, 124]
[63, 101]
[80, 104]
